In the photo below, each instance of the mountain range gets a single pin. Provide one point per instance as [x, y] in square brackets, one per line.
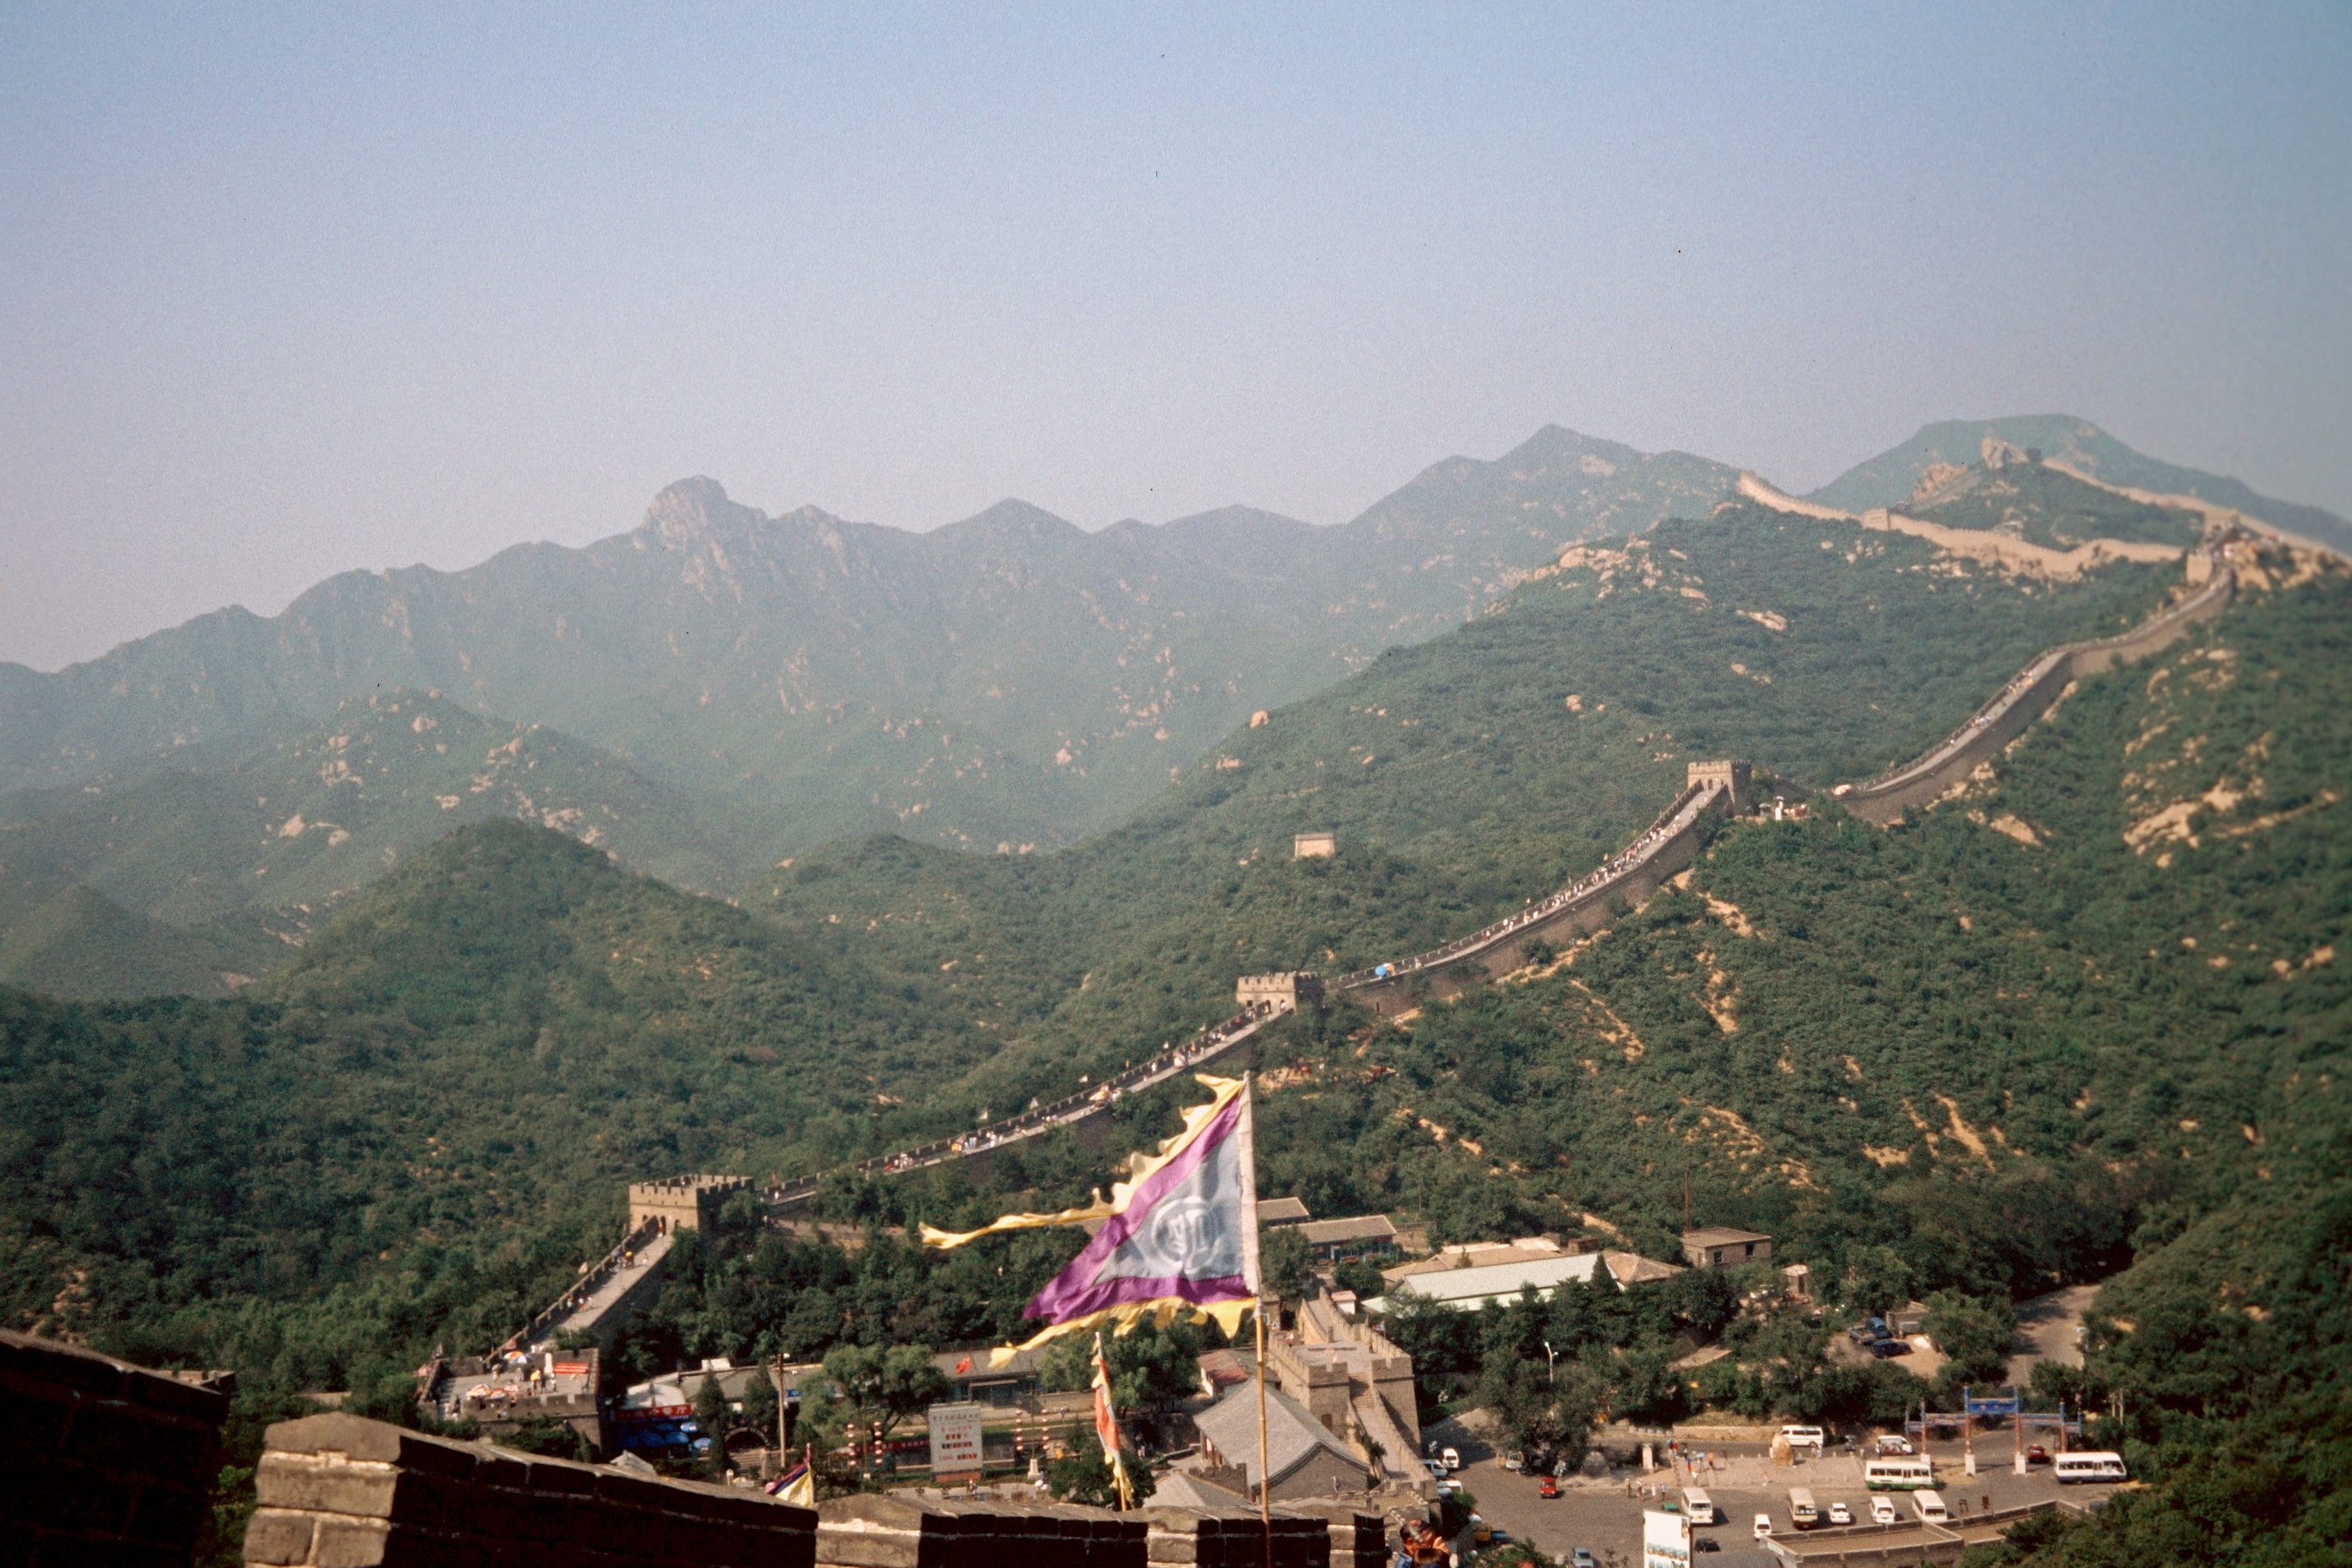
[717, 692]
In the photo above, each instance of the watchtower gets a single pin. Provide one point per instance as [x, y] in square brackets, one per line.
[1731, 774]
[1298, 988]
[681, 1203]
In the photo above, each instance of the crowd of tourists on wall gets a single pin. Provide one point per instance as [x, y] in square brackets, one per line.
[1601, 876]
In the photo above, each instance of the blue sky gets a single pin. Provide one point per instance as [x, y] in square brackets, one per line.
[296, 290]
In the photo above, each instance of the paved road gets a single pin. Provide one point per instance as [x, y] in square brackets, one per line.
[2045, 1330]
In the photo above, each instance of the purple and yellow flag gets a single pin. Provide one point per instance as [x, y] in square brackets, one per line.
[1180, 1235]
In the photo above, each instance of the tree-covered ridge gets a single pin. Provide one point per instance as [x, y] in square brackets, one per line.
[477, 1058]
[1465, 775]
[2049, 507]
[1890, 478]
[286, 825]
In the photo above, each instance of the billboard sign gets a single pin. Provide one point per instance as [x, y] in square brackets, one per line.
[955, 1440]
[1665, 1540]
[2001, 1404]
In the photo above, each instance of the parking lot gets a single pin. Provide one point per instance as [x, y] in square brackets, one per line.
[1599, 1516]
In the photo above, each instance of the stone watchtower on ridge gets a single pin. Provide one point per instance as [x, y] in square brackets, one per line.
[1731, 775]
[681, 1203]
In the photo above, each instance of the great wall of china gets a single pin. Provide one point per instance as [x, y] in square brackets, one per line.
[1715, 789]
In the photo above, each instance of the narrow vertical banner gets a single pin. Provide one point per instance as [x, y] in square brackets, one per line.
[1106, 1429]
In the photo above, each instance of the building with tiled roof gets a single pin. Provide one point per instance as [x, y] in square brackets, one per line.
[1301, 1455]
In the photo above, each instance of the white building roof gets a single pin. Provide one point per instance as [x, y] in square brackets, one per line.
[1471, 1289]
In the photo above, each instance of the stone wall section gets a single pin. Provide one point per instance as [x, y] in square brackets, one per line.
[1663, 852]
[1234, 1538]
[2030, 695]
[340, 1491]
[103, 1462]
[1357, 1538]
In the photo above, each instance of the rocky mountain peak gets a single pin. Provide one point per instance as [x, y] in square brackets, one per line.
[692, 510]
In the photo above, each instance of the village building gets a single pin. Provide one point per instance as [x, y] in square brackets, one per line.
[1332, 1239]
[1302, 1458]
[1282, 1211]
[1471, 1287]
[978, 1382]
[1720, 1247]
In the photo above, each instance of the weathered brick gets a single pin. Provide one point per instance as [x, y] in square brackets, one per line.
[166, 1513]
[326, 1483]
[347, 1542]
[357, 1437]
[278, 1536]
[66, 1366]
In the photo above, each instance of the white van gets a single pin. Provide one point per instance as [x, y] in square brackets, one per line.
[1929, 1507]
[1698, 1505]
[1882, 1511]
[2072, 1468]
[1805, 1437]
[1452, 1460]
[1763, 1527]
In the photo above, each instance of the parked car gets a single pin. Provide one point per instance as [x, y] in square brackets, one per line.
[1452, 1460]
[1512, 1463]
[1581, 1558]
[1888, 1443]
[1841, 1514]
[1704, 1543]
[1882, 1349]
[1548, 1485]
[1481, 1533]
[1882, 1511]
[1763, 1527]
[2035, 1454]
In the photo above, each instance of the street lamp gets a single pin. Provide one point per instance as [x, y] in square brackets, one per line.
[1550, 1376]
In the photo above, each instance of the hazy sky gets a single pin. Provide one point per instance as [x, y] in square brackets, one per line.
[293, 290]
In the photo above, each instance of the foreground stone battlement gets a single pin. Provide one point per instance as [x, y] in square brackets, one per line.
[340, 1491]
[106, 1462]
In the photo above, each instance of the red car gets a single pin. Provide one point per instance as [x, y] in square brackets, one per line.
[2035, 1454]
[1548, 1485]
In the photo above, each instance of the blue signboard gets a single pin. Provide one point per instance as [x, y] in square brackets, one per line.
[1992, 1404]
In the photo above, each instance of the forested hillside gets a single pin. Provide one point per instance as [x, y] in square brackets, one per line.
[427, 1122]
[1465, 775]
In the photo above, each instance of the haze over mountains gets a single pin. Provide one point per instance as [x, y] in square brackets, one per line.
[717, 692]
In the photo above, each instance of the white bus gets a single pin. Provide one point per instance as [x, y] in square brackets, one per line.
[1929, 1507]
[1897, 1472]
[1698, 1505]
[2093, 1467]
[1802, 1511]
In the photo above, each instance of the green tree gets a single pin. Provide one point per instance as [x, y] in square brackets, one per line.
[1877, 1280]
[1283, 1262]
[1084, 1476]
[1974, 1334]
[893, 1381]
[545, 1435]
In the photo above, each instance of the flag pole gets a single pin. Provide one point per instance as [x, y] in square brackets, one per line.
[1248, 1131]
[1265, 1476]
